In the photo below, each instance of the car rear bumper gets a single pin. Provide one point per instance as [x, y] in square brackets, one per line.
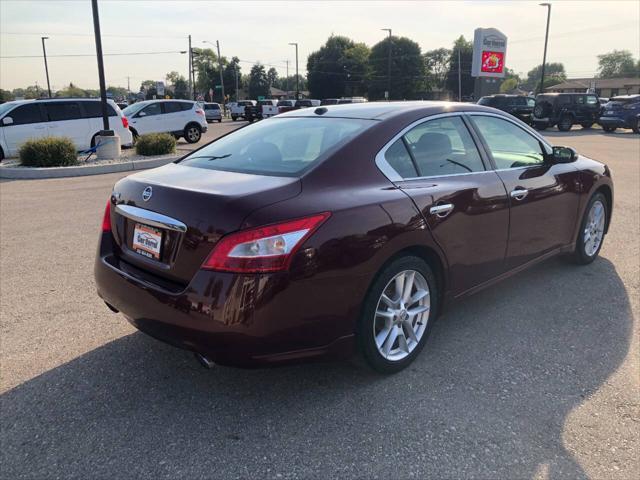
[239, 320]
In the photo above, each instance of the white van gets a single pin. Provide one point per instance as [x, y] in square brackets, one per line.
[79, 119]
[181, 118]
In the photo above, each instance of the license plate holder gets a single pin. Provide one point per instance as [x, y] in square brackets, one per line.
[147, 241]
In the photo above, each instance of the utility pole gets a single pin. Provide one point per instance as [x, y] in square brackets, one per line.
[287, 78]
[103, 87]
[224, 102]
[192, 80]
[46, 68]
[297, 76]
[235, 67]
[459, 77]
[388, 95]
[546, 39]
[128, 85]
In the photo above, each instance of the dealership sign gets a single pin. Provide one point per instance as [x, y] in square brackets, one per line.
[489, 53]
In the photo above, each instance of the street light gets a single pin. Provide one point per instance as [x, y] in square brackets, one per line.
[546, 39]
[389, 65]
[217, 45]
[297, 77]
[46, 68]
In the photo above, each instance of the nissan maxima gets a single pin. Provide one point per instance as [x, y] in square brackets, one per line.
[332, 230]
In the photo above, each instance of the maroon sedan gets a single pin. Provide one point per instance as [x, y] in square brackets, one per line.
[327, 230]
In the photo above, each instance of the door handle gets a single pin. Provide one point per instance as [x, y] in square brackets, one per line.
[519, 193]
[441, 210]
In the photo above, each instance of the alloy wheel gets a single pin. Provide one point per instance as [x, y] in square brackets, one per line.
[594, 228]
[194, 134]
[401, 315]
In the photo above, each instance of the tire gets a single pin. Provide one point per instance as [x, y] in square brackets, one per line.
[592, 230]
[540, 126]
[565, 123]
[609, 129]
[192, 133]
[1, 154]
[586, 125]
[375, 333]
[219, 120]
[636, 129]
[234, 118]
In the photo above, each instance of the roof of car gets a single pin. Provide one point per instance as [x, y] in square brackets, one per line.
[384, 110]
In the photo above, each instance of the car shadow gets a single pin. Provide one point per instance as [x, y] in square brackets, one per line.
[487, 398]
[581, 132]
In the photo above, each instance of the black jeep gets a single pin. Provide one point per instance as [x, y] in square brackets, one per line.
[520, 106]
[565, 110]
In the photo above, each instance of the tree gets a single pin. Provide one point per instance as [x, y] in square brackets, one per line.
[553, 74]
[462, 63]
[181, 88]
[71, 91]
[339, 65]
[229, 75]
[289, 83]
[272, 76]
[147, 84]
[6, 96]
[508, 85]
[117, 92]
[172, 77]
[258, 82]
[407, 69]
[619, 63]
[436, 63]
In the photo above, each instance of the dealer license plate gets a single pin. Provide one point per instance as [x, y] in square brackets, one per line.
[147, 241]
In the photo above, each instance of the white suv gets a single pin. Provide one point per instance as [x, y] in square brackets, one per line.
[80, 119]
[180, 118]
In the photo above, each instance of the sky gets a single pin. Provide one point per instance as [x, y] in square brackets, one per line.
[261, 31]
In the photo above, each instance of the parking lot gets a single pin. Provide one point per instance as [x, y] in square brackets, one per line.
[536, 377]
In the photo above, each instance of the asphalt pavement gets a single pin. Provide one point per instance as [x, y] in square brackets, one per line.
[537, 377]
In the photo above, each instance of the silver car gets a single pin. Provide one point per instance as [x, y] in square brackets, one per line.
[212, 112]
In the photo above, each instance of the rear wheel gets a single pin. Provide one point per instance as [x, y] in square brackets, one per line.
[591, 234]
[636, 128]
[1, 154]
[397, 315]
[565, 123]
[219, 120]
[192, 133]
[587, 125]
[234, 118]
[609, 129]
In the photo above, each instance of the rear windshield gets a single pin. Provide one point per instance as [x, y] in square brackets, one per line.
[625, 100]
[211, 106]
[278, 147]
[485, 101]
[285, 103]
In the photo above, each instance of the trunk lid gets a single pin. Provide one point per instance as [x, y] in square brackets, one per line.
[209, 203]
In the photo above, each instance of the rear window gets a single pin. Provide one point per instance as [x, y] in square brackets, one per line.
[303, 103]
[58, 111]
[487, 101]
[244, 104]
[285, 103]
[625, 100]
[211, 106]
[172, 107]
[279, 147]
[94, 109]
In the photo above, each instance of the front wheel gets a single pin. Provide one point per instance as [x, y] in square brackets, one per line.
[587, 125]
[219, 120]
[397, 315]
[565, 123]
[636, 128]
[192, 134]
[592, 228]
[609, 129]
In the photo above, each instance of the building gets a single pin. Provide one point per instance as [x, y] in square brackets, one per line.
[604, 87]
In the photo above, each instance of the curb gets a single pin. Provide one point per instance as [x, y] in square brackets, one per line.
[60, 172]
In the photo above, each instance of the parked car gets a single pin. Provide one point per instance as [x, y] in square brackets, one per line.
[565, 110]
[80, 119]
[122, 105]
[343, 101]
[330, 101]
[317, 231]
[238, 108]
[306, 103]
[181, 118]
[286, 105]
[519, 106]
[212, 112]
[268, 108]
[621, 112]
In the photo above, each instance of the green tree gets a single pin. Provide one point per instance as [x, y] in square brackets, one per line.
[71, 91]
[117, 92]
[436, 63]
[258, 82]
[229, 73]
[338, 68]
[147, 84]
[272, 76]
[508, 85]
[554, 73]
[289, 83]
[619, 63]
[407, 69]
[6, 96]
[460, 62]
[172, 77]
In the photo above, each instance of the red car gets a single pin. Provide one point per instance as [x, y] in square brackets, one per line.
[332, 229]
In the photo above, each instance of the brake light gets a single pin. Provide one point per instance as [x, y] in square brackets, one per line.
[263, 249]
[106, 219]
[199, 112]
[125, 121]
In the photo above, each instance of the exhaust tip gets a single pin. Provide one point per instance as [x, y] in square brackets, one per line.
[204, 361]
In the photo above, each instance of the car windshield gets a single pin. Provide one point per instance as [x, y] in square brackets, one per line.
[278, 147]
[5, 107]
[133, 109]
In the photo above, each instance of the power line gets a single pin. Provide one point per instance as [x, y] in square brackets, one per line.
[91, 35]
[93, 54]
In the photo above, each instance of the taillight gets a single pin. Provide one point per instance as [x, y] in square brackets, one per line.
[106, 219]
[263, 249]
[125, 121]
[199, 112]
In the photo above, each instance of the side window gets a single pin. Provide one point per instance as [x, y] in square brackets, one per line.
[152, 109]
[564, 100]
[398, 157]
[25, 114]
[510, 145]
[531, 102]
[443, 147]
[580, 100]
[58, 111]
[172, 107]
[184, 106]
[94, 110]
[592, 100]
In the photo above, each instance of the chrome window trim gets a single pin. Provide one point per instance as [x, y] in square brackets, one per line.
[150, 218]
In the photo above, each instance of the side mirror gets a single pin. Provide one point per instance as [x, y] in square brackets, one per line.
[7, 121]
[564, 155]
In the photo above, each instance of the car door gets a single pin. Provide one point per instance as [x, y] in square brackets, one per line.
[464, 204]
[174, 116]
[66, 119]
[27, 122]
[544, 197]
[149, 119]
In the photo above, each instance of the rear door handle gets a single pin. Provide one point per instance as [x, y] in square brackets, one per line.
[519, 193]
[441, 210]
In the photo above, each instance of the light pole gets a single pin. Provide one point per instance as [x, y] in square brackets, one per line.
[297, 76]
[546, 39]
[389, 65]
[46, 68]
[220, 69]
[287, 78]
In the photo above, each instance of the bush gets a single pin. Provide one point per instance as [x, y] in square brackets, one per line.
[155, 144]
[48, 152]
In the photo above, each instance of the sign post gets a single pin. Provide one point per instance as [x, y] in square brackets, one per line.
[489, 60]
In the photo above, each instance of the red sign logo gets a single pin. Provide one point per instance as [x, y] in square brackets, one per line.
[492, 62]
